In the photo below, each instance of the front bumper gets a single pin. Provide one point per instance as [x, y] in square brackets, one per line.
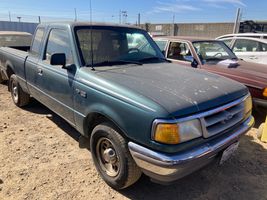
[166, 168]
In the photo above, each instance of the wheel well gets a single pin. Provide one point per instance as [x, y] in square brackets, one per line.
[9, 72]
[94, 119]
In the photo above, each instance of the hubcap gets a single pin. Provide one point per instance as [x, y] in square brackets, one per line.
[107, 157]
[15, 91]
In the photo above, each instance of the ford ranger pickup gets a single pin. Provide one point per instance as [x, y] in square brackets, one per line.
[140, 113]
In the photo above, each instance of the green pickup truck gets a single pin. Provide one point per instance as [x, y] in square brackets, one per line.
[139, 113]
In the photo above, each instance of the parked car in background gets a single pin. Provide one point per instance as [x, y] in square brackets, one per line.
[16, 40]
[250, 35]
[216, 57]
[139, 112]
[250, 47]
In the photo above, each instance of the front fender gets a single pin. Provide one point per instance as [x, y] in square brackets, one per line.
[103, 110]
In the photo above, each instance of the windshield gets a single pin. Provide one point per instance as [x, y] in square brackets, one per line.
[213, 51]
[161, 44]
[116, 45]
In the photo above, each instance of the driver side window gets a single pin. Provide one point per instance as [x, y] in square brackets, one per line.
[58, 42]
[178, 51]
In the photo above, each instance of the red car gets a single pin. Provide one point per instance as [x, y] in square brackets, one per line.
[216, 57]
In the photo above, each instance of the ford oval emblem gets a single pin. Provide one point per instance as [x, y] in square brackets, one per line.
[228, 117]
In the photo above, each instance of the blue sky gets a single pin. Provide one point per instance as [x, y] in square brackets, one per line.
[151, 10]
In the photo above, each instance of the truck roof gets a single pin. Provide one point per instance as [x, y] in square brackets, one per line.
[73, 24]
[185, 38]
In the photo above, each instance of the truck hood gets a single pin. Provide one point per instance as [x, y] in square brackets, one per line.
[179, 90]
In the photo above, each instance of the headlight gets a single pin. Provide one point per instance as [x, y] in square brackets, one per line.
[264, 92]
[178, 132]
[247, 106]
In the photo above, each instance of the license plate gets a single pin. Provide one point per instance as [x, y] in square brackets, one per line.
[227, 153]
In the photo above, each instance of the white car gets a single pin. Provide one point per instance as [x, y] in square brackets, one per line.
[250, 35]
[250, 47]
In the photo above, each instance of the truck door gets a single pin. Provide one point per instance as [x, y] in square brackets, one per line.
[55, 82]
[250, 50]
[31, 69]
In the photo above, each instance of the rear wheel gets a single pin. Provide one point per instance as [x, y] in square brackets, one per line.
[112, 158]
[19, 97]
[1, 78]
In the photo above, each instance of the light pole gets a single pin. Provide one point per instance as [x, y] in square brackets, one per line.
[19, 18]
[9, 14]
[75, 15]
[125, 15]
[112, 18]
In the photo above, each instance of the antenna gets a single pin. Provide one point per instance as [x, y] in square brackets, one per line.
[91, 35]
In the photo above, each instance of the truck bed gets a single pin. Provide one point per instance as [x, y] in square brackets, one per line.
[12, 59]
[14, 51]
[22, 48]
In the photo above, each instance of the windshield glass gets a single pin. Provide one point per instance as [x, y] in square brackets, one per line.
[116, 45]
[161, 44]
[213, 51]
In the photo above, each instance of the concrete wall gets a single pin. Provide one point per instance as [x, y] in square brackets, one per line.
[18, 26]
[205, 30]
[210, 30]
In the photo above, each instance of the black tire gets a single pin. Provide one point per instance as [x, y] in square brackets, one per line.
[1, 78]
[121, 170]
[19, 97]
[260, 131]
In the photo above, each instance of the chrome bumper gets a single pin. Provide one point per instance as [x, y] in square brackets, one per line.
[164, 167]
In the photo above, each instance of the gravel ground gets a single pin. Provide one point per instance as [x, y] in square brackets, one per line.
[40, 158]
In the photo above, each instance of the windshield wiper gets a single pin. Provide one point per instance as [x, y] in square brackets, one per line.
[214, 59]
[152, 58]
[115, 62]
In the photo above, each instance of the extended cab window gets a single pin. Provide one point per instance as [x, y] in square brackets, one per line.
[178, 51]
[37, 41]
[58, 42]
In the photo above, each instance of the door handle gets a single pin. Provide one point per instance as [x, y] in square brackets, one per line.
[253, 57]
[40, 71]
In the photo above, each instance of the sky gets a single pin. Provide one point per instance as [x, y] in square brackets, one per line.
[151, 11]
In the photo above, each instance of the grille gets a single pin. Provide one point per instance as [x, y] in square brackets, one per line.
[222, 120]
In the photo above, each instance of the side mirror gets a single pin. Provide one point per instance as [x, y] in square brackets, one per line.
[193, 61]
[58, 59]
[194, 64]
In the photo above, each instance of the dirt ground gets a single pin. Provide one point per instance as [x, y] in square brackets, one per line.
[40, 158]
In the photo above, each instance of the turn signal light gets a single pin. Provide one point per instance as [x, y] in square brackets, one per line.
[167, 134]
[264, 92]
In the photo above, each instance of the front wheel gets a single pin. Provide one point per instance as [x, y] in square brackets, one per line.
[1, 78]
[19, 97]
[112, 158]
